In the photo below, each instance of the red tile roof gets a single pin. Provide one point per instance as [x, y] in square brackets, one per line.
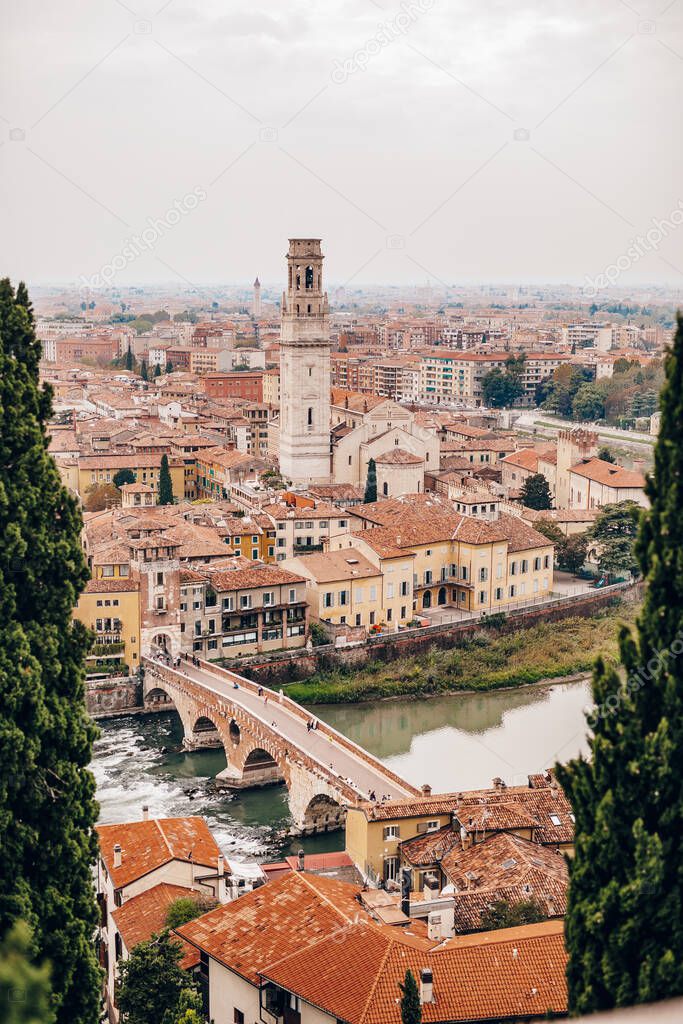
[144, 915]
[274, 921]
[355, 976]
[147, 845]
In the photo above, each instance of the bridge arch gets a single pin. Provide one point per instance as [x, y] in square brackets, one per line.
[323, 814]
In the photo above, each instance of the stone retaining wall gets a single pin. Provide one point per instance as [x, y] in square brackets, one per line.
[114, 696]
[288, 667]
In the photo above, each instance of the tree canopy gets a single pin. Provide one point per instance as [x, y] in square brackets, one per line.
[624, 923]
[152, 982]
[411, 1007]
[123, 476]
[504, 914]
[371, 483]
[165, 482]
[47, 804]
[613, 536]
[536, 492]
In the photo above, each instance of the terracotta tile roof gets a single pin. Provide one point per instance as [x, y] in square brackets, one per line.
[494, 815]
[147, 845]
[469, 906]
[116, 585]
[503, 859]
[144, 915]
[399, 457]
[520, 536]
[329, 566]
[526, 458]
[507, 974]
[608, 474]
[274, 921]
[425, 850]
[257, 576]
[357, 402]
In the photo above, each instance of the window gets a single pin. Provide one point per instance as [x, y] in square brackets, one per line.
[391, 832]
[390, 614]
[160, 579]
[292, 596]
[483, 574]
[238, 1016]
[358, 619]
[229, 604]
[328, 599]
[404, 588]
[482, 597]
[512, 590]
[245, 601]
[525, 565]
[546, 562]
[309, 418]
[391, 868]
[555, 818]
[372, 618]
[268, 598]
[513, 568]
[343, 597]
[499, 593]
[160, 604]
[390, 590]
[537, 564]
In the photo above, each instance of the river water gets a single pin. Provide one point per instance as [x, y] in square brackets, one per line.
[460, 741]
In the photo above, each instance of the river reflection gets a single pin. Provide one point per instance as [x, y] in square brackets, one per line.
[462, 741]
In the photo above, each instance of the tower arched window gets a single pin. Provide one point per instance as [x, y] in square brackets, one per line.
[298, 279]
[310, 416]
[309, 277]
[309, 309]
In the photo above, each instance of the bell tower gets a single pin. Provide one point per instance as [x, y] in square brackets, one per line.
[305, 367]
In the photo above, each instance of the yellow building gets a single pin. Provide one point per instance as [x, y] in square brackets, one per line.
[110, 607]
[343, 587]
[377, 832]
[94, 470]
[460, 560]
[271, 387]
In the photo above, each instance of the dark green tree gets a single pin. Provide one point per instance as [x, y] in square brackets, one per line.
[186, 908]
[144, 372]
[123, 476]
[624, 924]
[371, 483]
[165, 483]
[411, 1007]
[47, 805]
[588, 403]
[536, 492]
[504, 914]
[613, 535]
[573, 552]
[24, 988]
[169, 367]
[157, 370]
[606, 455]
[500, 389]
[152, 982]
[129, 362]
[189, 1009]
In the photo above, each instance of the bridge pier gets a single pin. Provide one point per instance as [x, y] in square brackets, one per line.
[259, 769]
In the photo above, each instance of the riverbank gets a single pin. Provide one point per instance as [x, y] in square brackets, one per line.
[485, 661]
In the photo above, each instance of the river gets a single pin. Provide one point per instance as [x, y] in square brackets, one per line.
[460, 741]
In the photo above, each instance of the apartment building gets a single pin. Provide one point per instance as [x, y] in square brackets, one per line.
[304, 529]
[94, 470]
[462, 561]
[235, 609]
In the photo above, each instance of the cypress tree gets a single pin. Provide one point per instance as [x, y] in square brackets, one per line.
[47, 805]
[624, 925]
[129, 362]
[411, 1007]
[144, 372]
[165, 483]
[371, 483]
[157, 370]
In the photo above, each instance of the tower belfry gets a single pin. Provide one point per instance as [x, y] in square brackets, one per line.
[305, 367]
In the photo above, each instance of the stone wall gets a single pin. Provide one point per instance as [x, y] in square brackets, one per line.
[287, 667]
[113, 696]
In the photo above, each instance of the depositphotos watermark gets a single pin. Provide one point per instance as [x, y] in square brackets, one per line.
[145, 242]
[636, 681]
[387, 32]
[638, 247]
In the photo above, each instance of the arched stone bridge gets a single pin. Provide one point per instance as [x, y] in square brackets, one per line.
[266, 740]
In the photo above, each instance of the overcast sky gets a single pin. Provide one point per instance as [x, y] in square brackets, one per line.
[435, 140]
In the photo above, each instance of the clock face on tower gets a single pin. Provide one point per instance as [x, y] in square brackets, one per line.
[304, 367]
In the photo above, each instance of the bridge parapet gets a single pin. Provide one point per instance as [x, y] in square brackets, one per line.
[317, 795]
[322, 727]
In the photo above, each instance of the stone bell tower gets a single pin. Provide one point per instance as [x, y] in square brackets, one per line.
[305, 368]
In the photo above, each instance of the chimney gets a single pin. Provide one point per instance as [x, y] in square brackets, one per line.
[300, 860]
[430, 886]
[465, 838]
[426, 790]
[426, 986]
[145, 812]
[117, 855]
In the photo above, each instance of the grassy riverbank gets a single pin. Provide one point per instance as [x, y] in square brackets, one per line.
[486, 661]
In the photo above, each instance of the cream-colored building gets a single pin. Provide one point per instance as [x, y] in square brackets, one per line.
[343, 587]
